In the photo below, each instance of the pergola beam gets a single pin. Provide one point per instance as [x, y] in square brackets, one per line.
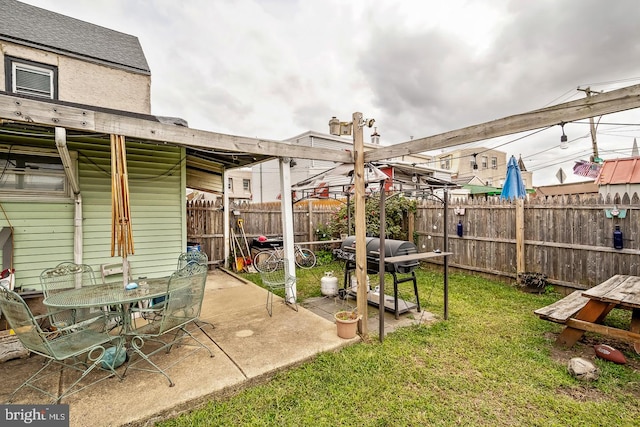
[137, 127]
[596, 105]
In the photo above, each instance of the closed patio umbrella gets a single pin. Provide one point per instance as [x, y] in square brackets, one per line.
[513, 187]
[121, 234]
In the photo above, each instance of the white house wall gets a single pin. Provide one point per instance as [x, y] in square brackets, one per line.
[86, 82]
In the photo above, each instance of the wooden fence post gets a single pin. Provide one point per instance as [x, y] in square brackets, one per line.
[520, 264]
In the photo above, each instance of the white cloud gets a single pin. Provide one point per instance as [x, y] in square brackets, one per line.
[277, 68]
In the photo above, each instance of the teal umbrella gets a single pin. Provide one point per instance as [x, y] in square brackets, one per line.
[513, 187]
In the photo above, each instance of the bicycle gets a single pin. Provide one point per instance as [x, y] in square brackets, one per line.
[304, 258]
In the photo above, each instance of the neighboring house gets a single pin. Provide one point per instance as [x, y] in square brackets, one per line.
[619, 176]
[239, 184]
[472, 187]
[55, 189]
[265, 188]
[488, 165]
[53, 56]
[575, 188]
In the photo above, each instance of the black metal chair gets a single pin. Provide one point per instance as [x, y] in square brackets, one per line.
[59, 346]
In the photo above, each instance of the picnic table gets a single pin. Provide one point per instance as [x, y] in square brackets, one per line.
[584, 311]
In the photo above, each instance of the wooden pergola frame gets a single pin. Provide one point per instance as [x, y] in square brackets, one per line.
[96, 120]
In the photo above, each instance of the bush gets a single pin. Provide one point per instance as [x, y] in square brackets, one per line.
[397, 210]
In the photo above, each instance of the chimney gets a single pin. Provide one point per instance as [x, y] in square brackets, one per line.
[375, 137]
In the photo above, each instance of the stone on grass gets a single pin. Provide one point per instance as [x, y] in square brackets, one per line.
[583, 369]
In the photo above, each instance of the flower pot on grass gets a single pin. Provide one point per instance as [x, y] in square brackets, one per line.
[347, 324]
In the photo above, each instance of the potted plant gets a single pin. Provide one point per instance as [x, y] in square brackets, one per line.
[347, 323]
[532, 282]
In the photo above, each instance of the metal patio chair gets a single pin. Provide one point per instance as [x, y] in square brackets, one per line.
[192, 256]
[65, 276]
[58, 347]
[181, 309]
[275, 276]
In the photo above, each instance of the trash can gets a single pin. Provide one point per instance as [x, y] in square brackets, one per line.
[193, 247]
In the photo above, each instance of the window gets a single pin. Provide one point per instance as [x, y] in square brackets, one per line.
[484, 162]
[230, 184]
[494, 163]
[31, 78]
[32, 174]
[246, 184]
[445, 162]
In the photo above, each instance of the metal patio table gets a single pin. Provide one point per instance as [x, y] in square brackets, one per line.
[110, 294]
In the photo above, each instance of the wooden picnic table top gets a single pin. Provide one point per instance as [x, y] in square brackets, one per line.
[620, 289]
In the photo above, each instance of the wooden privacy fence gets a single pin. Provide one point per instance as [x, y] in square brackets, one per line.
[205, 222]
[567, 238]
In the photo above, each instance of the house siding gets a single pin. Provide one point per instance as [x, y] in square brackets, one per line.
[86, 82]
[43, 232]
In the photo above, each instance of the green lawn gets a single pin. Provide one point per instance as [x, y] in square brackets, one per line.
[493, 363]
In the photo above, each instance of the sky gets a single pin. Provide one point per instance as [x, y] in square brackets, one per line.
[274, 69]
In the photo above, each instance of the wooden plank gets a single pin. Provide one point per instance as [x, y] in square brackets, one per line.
[601, 291]
[604, 330]
[606, 103]
[634, 326]
[594, 311]
[563, 309]
[627, 293]
[86, 119]
[415, 257]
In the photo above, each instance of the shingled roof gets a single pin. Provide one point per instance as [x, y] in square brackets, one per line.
[32, 26]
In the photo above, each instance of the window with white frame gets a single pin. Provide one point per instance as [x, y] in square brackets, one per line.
[485, 161]
[246, 184]
[32, 174]
[31, 78]
[445, 162]
[494, 163]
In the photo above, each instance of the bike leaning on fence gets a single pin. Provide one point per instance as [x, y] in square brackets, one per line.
[304, 258]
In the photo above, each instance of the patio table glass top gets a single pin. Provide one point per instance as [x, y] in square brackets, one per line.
[108, 294]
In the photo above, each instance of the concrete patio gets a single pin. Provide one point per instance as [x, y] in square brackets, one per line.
[250, 347]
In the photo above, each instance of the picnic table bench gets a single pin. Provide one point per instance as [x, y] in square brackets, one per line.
[584, 311]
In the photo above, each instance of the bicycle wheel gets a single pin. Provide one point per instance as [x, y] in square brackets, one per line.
[260, 260]
[305, 258]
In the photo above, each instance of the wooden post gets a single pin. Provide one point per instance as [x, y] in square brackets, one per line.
[520, 264]
[360, 222]
[311, 235]
[411, 226]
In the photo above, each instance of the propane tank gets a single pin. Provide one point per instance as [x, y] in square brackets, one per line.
[329, 284]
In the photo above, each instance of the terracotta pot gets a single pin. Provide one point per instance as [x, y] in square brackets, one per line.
[348, 327]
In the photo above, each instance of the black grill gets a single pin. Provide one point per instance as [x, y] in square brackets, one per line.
[392, 248]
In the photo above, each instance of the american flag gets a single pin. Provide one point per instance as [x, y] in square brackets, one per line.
[588, 169]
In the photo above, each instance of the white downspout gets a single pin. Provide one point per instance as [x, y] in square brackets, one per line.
[69, 171]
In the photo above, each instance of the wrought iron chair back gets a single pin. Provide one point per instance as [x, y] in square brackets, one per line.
[183, 304]
[56, 346]
[65, 276]
[275, 275]
[192, 256]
